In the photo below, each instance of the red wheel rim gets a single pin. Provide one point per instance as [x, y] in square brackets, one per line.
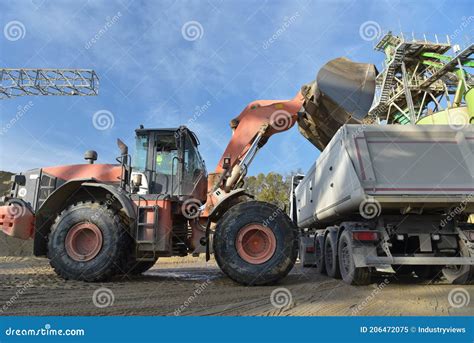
[83, 241]
[256, 243]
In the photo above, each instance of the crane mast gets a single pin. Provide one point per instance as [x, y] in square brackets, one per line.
[65, 82]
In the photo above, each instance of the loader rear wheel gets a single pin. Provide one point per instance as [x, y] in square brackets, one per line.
[330, 256]
[462, 274]
[88, 242]
[351, 274]
[135, 267]
[255, 243]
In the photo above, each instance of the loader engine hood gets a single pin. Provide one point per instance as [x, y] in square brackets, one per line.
[342, 93]
[35, 185]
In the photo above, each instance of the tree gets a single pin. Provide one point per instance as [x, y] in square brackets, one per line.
[273, 188]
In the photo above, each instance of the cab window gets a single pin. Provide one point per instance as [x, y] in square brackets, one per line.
[164, 161]
[141, 151]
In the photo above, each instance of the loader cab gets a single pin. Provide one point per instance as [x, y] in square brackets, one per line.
[169, 160]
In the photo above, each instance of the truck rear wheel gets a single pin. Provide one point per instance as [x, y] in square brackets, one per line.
[330, 256]
[88, 242]
[462, 274]
[255, 243]
[319, 251]
[350, 273]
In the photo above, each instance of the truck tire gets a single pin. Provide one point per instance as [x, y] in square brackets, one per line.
[463, 274]
[319, 251]
[255, 243]
[88, 242]
[331, 261]
[403, 270]
[427, 272]
[351, 274]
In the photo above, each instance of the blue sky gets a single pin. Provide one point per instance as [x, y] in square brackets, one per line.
[151, 75]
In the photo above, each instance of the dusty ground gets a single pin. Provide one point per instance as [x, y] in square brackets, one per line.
[30, 287]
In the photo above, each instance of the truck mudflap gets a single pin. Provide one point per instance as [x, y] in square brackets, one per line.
[17, 219]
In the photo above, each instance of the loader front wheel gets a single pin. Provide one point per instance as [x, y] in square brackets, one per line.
[88, 242]
[255, 243]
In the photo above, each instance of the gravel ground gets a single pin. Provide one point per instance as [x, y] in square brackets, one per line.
[30, 287]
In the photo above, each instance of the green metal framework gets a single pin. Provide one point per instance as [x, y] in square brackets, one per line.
[420, 78]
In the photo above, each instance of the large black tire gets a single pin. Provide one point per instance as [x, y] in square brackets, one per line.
[403, 270]
[114, 247]
[427, 272]
[138, 267]
[319, 251]
[226, 245]
[331, 260]
[351, 274]
[463, 274]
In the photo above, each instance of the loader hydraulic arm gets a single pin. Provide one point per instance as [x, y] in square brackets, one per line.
[250, 131]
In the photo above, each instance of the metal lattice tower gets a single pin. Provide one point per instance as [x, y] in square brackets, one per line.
[418, 74]
[66, 82]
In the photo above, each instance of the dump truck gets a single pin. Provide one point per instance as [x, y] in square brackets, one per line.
[396, 193]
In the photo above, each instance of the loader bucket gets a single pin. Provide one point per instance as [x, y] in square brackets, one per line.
[341, 94]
